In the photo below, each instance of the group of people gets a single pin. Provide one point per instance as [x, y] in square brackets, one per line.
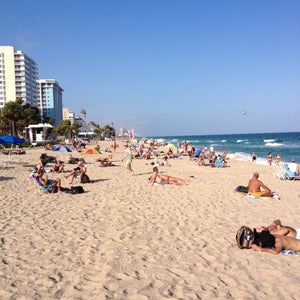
[42, 174]
[273, 238]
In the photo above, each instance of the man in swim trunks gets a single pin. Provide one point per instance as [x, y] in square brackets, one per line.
[165, 179]
[255, 185]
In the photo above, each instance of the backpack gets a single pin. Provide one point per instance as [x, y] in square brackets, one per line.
[84, 178]
[77, 189]
[242, 189]
[244, 237]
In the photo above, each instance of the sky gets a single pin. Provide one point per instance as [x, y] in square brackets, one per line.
[167, 67]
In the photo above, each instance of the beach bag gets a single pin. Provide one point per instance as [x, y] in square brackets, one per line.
[244, 237]
[77, 190]
[84, 178]
[242, 189]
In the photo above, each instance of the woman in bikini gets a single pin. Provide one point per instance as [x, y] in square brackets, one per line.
[165, 179]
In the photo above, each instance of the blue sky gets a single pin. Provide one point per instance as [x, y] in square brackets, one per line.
[167, 67]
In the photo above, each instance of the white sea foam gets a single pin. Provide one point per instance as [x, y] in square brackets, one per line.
[269, 140]
[273, 144]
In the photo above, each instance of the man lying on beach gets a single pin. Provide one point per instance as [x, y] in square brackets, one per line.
[276, 228]
[255, 186]
[165, 179]
[264, 241]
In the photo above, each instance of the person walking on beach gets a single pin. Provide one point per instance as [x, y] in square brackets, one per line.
[269, 158]
[253, 157]
[255, 185]
[127, 158]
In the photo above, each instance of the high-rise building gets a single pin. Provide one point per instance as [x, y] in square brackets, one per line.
[18, 76]
[49, 100]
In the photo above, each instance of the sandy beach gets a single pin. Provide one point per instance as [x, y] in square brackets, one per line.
[127, 239]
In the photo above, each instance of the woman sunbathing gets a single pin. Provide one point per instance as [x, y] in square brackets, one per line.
[165, 179]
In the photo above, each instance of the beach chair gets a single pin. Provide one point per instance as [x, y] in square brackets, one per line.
[291, 175]
[282, 172]
[49, 188]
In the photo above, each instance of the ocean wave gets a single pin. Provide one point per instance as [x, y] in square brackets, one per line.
[223, 141]
[269, 140]
[273, 144]
[241, 141]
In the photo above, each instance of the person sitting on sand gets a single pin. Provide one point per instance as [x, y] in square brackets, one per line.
[264, 241]
[165, 179]
[276, 228]
[72, 160]
[44, 180]
[77, 172]
[105, 160]
[255, 185]
[58, 166]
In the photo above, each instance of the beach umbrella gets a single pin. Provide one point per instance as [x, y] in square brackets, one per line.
[90, 151]
[11, 139]
[171, 146]
[62, 149]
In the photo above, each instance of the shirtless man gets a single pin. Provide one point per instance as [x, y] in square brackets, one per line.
[276, 228]
[274, 244]
[45, 181]
[255, 185]
[165, 179]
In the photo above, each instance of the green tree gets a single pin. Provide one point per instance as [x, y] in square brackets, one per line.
[67, 128]
[109, 130]
[96, 128]
[15, 116]
[83, 112]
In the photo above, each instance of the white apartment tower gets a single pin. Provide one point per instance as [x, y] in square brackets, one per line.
[49, 99]
[18, 76]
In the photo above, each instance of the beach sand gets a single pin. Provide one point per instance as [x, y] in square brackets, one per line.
[126, 239]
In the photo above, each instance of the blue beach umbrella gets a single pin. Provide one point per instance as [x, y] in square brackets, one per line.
[62, 149]
[11, 139]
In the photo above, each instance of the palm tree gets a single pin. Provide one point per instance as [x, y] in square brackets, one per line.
[83, 112]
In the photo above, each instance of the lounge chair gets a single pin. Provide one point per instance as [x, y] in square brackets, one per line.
[282, 172]
[49, 188]
[291, 175]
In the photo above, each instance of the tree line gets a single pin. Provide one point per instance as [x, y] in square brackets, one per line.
[15, 116]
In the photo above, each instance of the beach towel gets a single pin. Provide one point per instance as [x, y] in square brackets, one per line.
[290, 252]
[243, 190]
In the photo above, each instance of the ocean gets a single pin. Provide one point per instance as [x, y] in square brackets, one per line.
[241, 146]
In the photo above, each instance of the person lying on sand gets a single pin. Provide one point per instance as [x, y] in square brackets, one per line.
[266, 242]
[165, 179]
[276, 228]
